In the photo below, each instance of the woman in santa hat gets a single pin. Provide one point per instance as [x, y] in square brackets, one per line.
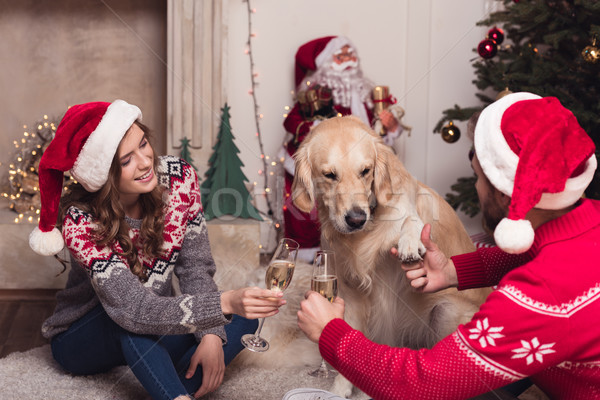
[131, 222]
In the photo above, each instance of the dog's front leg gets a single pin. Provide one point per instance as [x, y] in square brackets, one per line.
[410, 247]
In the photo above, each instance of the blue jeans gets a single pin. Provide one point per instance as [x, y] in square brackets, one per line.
[95, 344]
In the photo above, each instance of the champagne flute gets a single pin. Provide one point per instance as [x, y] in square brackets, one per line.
[278, 277]
[324, 282]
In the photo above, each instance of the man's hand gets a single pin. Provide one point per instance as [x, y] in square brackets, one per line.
[435, 272]
[252, 302]
[208, 354]
[316, 312]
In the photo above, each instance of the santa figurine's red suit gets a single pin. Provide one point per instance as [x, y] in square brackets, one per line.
[329, 83]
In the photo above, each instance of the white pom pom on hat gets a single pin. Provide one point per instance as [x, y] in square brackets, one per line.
[533, 150]
[514, 236]
[85, 143]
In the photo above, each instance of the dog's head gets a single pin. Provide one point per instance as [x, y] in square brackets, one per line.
[343, 166]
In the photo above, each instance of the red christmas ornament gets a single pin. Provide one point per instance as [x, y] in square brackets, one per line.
[496, 34]
[487, 48]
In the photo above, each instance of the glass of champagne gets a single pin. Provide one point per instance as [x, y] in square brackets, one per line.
[278, 277]
[324, 282]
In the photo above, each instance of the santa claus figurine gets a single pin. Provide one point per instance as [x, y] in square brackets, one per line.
[329, 83]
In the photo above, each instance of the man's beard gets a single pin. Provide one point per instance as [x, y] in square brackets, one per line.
[344, 83]
[492, 214]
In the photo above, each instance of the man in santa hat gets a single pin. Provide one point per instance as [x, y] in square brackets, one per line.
[533, 162]
[329, 82]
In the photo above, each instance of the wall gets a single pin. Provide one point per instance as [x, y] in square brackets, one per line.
[420, 48]
[56, 53]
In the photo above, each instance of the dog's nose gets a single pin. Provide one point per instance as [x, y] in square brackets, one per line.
[356, 218]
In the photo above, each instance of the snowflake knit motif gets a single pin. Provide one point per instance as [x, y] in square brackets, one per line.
[485, 334]
[533, 349]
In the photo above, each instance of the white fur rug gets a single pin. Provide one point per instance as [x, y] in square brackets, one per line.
[262, 376]
[35, 375]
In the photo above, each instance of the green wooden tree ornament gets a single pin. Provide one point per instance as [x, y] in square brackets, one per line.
[223, 190]
[185, 152]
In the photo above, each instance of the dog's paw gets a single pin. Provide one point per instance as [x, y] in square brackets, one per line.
[342, 387]
[410, 251]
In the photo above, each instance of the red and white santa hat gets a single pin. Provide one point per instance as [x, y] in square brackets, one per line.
[533, 150]
[85, 143]
[312, 55]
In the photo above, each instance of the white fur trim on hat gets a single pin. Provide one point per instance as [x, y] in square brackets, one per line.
[495, 156]
[332, 46]
[514, 237]
[93, 162]
[574, 187]
[46, 243]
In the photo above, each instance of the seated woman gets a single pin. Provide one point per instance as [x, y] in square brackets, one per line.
[131, 223]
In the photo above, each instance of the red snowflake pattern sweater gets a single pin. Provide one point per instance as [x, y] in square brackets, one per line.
[541, 322]
[100, 274]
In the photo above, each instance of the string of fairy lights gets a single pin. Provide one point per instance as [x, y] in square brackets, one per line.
[23, 185]
[269, 164]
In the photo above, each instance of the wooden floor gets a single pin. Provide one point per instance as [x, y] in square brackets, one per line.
[21, 315]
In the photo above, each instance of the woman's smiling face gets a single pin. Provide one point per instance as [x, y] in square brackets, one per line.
[136, 158]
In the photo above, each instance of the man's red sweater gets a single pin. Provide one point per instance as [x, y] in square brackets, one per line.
[541, 322]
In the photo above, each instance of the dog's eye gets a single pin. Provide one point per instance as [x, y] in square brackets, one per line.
[365, 172]
[330, 175]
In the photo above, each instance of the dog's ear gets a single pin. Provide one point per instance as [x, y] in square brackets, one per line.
[302, 187]
[382, 181]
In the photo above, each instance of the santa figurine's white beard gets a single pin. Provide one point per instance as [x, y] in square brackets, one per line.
[343, 83]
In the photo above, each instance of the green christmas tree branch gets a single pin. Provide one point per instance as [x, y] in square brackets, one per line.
[542, 54]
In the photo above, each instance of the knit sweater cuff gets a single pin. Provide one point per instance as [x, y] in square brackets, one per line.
[331, 336]
[469, 270]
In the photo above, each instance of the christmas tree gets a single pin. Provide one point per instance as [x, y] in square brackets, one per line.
[550, 50]
[185, 152]
[223, 190]
[23, 181]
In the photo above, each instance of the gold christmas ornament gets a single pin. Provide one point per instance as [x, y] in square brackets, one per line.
[503, 93]
[450, 133]
[591, 54]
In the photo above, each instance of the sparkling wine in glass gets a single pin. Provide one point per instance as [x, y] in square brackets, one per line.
[278, 277]
[324, 282]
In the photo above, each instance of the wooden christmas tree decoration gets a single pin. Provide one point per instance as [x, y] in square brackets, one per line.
[185, 152]
[223, 190]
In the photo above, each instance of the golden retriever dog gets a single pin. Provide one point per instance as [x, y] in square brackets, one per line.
[368, 203]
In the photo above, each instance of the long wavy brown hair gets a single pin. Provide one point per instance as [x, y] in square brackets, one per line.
[109, 216]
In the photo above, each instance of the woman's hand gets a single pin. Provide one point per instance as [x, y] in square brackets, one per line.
[208, 354]
[435, 272]
[252, 302]
[316, 312]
